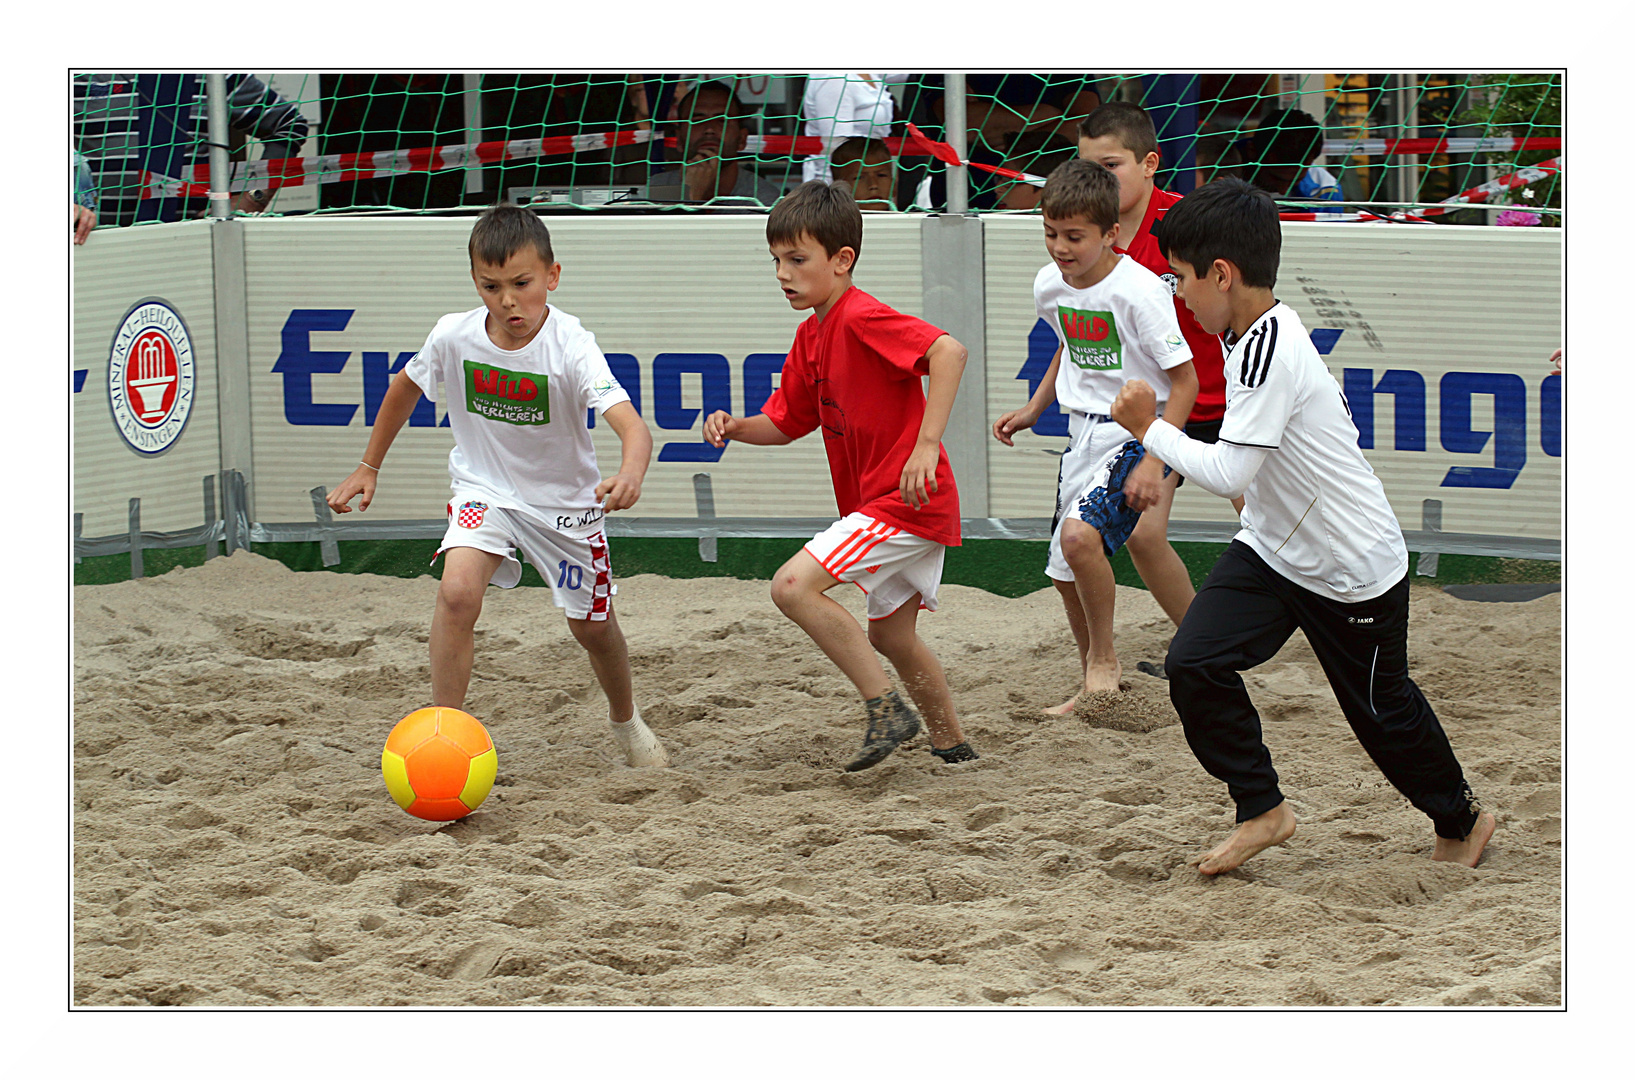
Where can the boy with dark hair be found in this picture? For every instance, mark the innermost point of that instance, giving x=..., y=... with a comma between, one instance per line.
x=1113, y=319
x=867, y=165
x=854, y=371
x=1320, y=549
x=1121, y=137
x=519, y=376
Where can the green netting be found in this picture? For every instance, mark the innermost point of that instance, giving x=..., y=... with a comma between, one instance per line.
x=435, y=142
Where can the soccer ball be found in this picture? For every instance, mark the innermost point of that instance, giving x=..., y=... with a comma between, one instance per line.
x=439, y=764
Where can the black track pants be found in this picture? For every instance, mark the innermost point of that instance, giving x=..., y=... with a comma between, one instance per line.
x=1240, y=618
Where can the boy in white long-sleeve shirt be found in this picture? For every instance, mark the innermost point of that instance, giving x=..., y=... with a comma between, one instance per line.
x=1320, y=549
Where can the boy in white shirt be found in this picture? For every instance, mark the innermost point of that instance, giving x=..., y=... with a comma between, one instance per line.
x=1320, y=549
x=519, y=376
x=1115, y=320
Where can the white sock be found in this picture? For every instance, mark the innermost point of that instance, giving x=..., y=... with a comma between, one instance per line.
x=641, y=747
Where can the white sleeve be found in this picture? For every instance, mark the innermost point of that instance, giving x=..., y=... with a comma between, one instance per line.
x=598, y=389
x=1158, y=331
x=424, y=367
x=1223, y=469
x=1261, y=390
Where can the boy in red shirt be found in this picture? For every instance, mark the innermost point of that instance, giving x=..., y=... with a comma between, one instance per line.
x=1121, y=137
x=854, y=371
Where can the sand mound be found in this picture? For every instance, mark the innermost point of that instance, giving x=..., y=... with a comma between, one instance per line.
x=234, y=843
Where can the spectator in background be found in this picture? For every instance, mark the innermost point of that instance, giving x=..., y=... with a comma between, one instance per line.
x=1038, y=152
x=868, y=166
x=1280, y=158
x=167, y=134
x=840, y=104
x=709, y=126
x=85, y=199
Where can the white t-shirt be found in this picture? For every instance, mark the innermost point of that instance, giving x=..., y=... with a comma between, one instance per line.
x=518, y=418
x=1121, y=328
x=1314, y=510
x=840, y=104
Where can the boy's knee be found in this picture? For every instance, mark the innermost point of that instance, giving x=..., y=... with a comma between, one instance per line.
x=461, y=601
x=1082, y=545
x=888, y=643
x=594, y=635
x=786, y=590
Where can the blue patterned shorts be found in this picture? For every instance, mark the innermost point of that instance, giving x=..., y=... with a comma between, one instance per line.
x=1103, y=506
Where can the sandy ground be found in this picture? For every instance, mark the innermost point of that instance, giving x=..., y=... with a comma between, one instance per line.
x=234, y=843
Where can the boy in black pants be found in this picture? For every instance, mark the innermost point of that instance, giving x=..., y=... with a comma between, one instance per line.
x=1320, y=549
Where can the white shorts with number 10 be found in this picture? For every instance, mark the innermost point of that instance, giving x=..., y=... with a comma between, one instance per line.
x=577, y=570
x=888, y=564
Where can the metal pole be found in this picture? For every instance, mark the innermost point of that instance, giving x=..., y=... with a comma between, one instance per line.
x=1408, y=110
x=474, y=129
x=215, y=99
x=953, y=112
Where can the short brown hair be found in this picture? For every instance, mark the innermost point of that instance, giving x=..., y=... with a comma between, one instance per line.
x=1081, y=188
x=1129, y=123
x=825, y=212
x=505, y=229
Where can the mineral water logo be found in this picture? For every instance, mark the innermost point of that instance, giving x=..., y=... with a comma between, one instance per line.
x=511, y=397
x=151, y=377
x=1092, y=338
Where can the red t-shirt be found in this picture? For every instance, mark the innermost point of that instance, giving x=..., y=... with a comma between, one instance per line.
x=856, y=374
x=1207, y=357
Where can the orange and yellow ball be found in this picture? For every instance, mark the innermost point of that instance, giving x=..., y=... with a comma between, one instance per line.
x=439, y=764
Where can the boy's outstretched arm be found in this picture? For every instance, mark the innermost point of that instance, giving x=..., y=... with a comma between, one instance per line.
x=395, y=408
x=757, y=430
x=621, y=490
x=946, y=360
x=1029, y=414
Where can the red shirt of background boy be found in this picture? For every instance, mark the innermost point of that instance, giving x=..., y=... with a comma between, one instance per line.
x=856, y=374
x=1207, y=358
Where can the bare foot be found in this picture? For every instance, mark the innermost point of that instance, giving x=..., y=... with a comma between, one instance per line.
x=1103, y=678
x=1065, y=708
x=1248, y=840
x=1467, y=852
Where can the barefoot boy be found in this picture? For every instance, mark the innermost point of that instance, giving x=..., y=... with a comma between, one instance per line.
x=1320, y=548
x=519, y=376
x=854, y=371
x=1114, y=320
x=1120, y=135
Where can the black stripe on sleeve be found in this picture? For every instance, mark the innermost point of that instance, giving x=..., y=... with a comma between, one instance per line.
x=1265, y=346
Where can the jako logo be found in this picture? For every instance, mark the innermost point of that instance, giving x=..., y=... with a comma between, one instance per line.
x=150, y=377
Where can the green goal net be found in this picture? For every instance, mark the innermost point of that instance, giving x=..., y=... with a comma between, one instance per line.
x=1348, y=146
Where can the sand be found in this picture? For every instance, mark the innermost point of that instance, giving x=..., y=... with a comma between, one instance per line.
x=234, y=844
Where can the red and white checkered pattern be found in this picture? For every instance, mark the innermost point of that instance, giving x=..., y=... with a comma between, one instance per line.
x=471, y=514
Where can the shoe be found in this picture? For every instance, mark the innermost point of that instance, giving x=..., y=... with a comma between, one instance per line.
x=641, y=747
x=891, y=723
x=1147, y=667
x=955, y=754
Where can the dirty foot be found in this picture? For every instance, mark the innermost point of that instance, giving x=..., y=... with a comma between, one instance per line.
x=1248, y=840
x=1467, y=852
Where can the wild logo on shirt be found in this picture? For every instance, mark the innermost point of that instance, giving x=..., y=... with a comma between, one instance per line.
x=1092, y=338
x=511, y=397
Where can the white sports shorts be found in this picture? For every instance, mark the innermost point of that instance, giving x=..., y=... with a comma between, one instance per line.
x=1091, y=441
x=888, y=564
x=578, y=571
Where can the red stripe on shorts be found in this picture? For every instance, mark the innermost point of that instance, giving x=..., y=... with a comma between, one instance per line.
x=858, y=545
x=599, y=593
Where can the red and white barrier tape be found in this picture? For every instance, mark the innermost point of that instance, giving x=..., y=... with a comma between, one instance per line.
x=271, y=174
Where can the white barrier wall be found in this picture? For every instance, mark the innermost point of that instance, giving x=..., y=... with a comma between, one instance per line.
x=1439, y=335
x=113, y=273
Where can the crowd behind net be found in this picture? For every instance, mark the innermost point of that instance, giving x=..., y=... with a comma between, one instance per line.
x=1341, y=145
